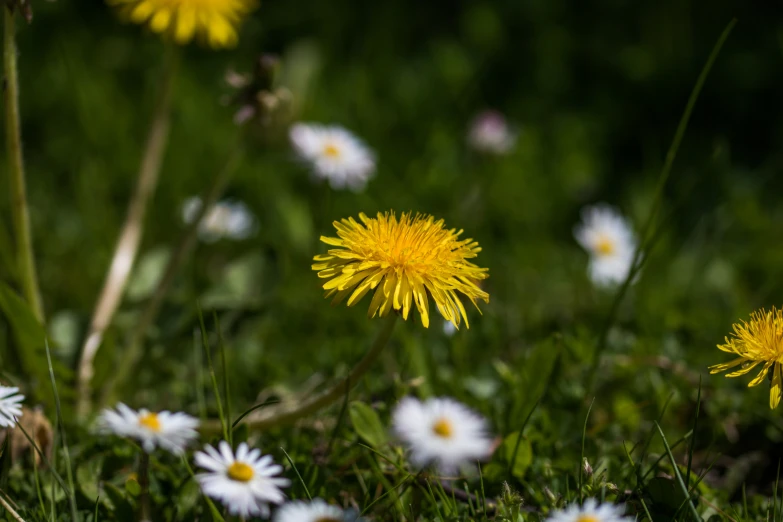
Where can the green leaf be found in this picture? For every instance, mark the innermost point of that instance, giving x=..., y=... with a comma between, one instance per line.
x=29, y=337
x=133, y=487
x=123, y=509
x=88, y=475
x=367, y=424
x=524, y=454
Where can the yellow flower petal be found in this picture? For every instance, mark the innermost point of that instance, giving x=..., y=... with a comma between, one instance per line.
x=403, y=259
x=775, y=389
x=761, y=376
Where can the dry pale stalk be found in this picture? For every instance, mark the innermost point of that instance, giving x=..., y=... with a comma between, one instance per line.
x=130, y=237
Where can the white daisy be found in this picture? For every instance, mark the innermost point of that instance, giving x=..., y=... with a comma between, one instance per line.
x=441, y=431
x=334, y=154
x=245, y=483
x=10, y=405
x=170, y=431
x=608, y=238
x=590, y=511
x=226, y=219
x=315, y=511
x=448, y=328
x=490, y=132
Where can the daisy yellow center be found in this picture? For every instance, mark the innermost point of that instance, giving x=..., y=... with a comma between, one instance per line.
x=757, y=343
x=443, y=429
x=406, y=261
x=331, y=150
x=604, y=246
x=587, y=518
x=240, y=472
x=150, y=421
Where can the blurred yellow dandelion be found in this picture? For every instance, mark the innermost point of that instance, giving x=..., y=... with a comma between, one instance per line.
x=404, y=260
x=215, y=21
x=759, y=341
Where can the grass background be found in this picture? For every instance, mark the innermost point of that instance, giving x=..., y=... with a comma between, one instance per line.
x=596, y=91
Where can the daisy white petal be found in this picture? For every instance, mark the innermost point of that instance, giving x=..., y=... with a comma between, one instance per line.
x=224, y=220
x=609, y=240
x=590, y=511
x=10, y=405
x=169, y=431
x=441, y=431
x=315, y=511
x=243, y=481
x=334, y=154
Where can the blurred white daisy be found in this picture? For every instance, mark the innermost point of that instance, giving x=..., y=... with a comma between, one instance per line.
x=167, y=430
x=315, y=511
x=10, y=405
x=334, y=154
x=490, y=132
x=226, y=219
x=608, y=238
x=246, y=483
x=448, y=328
x=442, y=432
x=590, y=511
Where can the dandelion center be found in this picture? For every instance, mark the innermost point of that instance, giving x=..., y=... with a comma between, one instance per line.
x=604, y=246
x=331, y=150
x=150, y=421
x=758, y=342
x=443, y=428
x=588, y=518
x=240, y=472
x=406, y=261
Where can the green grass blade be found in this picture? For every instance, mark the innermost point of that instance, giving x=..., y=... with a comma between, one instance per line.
x=293, y=466
x=251, y=410
x=638, y=259
x=582, y=457
x=693, y=439
x=68, y=471
x=226, y=387
x=215, y=388
x=519, y=437
x=678, y=474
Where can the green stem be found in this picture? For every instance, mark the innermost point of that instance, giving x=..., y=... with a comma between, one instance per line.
x=132, y=353
x=281, y=417
x=130, y=237
x=144, y=483
x=646, y=235
x=19, y=207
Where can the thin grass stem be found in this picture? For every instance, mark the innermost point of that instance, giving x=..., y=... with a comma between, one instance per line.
x=646, y=230
x=134, y=349
x=308, y=407
x=678, y=475
x=127, y=247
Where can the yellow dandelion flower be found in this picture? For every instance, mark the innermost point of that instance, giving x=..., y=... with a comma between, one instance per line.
x=404, y=260
x=215, y=21
x=759, y=341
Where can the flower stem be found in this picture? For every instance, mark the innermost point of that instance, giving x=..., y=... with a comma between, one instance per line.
x=282, y=416
x=144, y=483
x=13, y=136
x=130, y=237
x=133, y=351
